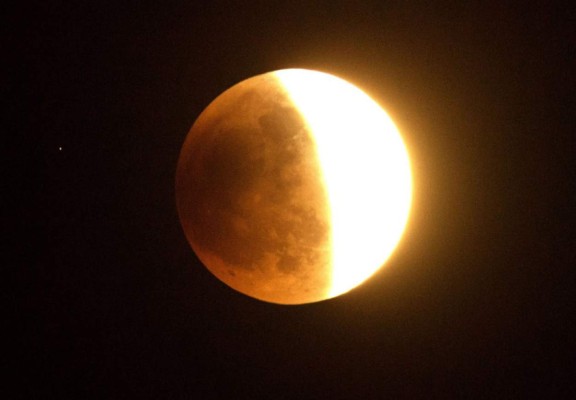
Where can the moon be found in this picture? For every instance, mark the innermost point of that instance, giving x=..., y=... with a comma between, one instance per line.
x=293, y=186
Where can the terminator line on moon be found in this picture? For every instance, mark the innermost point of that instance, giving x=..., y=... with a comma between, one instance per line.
x=293, y=186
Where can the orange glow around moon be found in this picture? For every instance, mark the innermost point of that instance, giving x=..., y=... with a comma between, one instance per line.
x=293, y=186
x=365, y=167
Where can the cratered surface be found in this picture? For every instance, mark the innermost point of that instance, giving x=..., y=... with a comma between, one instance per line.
x=251, y=197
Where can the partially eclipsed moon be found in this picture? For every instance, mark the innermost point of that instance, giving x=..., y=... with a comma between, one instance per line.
x=293, y=186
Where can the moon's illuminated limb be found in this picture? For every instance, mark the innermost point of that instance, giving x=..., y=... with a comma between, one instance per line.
x=366, y=170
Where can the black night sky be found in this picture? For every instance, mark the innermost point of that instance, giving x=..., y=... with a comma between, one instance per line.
x=106, y=299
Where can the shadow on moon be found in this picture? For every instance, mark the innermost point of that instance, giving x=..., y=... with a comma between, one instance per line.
x=251, y=197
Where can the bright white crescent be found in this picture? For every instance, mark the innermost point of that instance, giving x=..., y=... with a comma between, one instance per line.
x=366, y=168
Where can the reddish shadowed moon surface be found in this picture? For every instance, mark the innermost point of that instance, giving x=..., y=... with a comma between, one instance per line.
x=293, y=186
